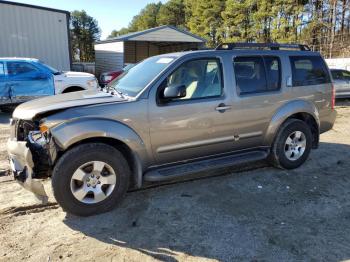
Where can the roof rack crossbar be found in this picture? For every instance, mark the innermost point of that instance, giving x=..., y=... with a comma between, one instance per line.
x=272, y=46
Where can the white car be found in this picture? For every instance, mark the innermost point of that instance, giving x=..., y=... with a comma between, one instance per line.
x=74, y=81
x=23, y=79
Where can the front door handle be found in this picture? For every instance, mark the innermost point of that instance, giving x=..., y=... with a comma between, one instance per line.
x=222, y=107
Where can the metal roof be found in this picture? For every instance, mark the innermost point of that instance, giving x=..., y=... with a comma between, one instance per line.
x=36, y=7
x=131, y=36
x=19, y=59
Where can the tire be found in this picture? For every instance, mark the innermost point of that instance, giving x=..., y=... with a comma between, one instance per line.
x=281, y=155
x=84, y=157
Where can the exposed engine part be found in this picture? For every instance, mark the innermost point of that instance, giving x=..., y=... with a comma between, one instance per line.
x=43, y=152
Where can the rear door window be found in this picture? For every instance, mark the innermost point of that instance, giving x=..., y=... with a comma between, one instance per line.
x=273, y=72
x=257, y=74
x=308, y=70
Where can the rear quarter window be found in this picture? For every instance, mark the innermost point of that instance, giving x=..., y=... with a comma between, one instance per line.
x=308, y=70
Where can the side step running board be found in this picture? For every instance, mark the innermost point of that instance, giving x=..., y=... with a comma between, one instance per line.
x=182, y=170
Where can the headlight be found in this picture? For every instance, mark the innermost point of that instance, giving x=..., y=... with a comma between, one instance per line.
x=91, y=83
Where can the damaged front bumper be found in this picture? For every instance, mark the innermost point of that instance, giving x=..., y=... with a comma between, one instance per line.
x=22, y=164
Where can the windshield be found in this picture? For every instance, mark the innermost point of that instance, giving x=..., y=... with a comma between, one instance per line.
x=132, y=81
x=127, y=67
x=53, y=70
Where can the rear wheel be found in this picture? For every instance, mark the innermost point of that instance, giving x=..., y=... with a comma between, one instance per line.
x=292, y=144
x=90, y=179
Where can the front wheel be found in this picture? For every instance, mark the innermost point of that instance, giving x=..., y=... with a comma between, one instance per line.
x=292, y=144
x=90, y=179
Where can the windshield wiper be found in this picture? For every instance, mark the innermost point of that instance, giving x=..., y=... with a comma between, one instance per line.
x=120, y=93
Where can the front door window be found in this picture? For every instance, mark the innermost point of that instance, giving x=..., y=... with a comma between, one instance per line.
x=202, y=79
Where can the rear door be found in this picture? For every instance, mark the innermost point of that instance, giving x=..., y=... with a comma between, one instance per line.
x=258, y=89
x=26, y=81
x=4, y=90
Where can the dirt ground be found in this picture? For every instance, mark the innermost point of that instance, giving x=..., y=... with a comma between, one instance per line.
x=263, y=214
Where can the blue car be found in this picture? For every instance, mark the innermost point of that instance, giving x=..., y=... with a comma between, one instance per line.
x=23, y=79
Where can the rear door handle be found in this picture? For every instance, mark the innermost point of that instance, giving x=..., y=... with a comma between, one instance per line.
x=222, y=108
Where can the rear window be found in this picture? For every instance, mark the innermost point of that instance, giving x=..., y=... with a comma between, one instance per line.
x=308, y=70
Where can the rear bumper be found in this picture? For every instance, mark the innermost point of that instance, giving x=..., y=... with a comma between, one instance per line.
x=327, y=121
x=21, y=162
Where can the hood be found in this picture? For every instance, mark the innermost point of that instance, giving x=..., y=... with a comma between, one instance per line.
x=29, y=110
x=77, y=74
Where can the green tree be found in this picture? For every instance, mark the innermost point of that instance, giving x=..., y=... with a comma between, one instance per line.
x=116, y=33
x=84, y=32
x=205, y=20
x=262, y=17
x=288, y=20
x=322, y=24
x=237, y=21
x=172, y=13
x=147, y=18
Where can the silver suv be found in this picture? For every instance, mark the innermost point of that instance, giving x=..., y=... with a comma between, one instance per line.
x=171, y=116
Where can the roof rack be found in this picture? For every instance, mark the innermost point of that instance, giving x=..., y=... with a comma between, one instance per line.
x=271, y=46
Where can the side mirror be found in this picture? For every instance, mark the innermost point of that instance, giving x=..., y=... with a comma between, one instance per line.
x=175, y=91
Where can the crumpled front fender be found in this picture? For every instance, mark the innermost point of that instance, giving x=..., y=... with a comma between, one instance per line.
x=71, y=132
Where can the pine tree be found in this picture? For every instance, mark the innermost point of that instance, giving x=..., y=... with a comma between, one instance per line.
x=172, y=13
x=205, y=19
x=84, y=32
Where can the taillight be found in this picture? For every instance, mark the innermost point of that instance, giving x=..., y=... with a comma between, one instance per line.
x=333, y=97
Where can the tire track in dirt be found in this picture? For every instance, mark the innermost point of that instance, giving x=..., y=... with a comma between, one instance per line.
x=25, y=210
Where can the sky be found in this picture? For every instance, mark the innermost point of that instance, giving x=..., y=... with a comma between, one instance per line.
x=110, y=14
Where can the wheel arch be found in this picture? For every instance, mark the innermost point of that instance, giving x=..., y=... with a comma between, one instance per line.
x=116, y=134
x=74, y=88
x=299, y=109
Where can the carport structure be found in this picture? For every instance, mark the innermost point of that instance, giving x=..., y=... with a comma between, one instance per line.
x=114, y=54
